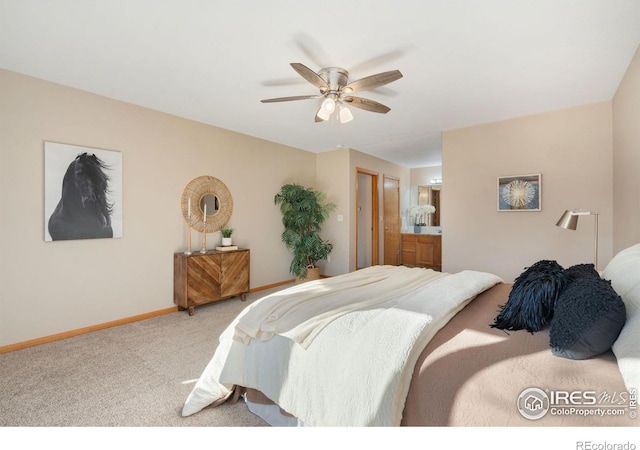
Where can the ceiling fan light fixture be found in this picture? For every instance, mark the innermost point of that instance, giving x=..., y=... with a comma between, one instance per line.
x=329, y=105
x=336, y=90
x=323, y=114
x=345, y=114
x=327, y=108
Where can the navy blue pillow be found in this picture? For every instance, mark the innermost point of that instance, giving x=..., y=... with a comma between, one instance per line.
x=582, y=271
x=532, y=298
x=588, y=318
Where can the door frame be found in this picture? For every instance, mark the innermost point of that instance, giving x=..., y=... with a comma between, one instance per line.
x=375, y=207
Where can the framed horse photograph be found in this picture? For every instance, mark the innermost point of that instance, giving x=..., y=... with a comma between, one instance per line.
x=82, y=192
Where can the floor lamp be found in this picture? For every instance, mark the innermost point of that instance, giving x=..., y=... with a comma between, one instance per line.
x=569, y=221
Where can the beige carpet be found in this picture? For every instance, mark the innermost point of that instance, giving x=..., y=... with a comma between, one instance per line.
x=137, y=377
x=134, y=375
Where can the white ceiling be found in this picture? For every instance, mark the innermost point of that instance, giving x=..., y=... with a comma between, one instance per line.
x=464, y=62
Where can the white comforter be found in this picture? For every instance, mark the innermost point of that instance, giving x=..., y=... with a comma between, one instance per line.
x=356, y=369
x=301, y=312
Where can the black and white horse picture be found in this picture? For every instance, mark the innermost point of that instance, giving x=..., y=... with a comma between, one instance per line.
x=84, y=209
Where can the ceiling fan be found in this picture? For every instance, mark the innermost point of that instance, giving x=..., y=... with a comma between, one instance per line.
x=336, y=90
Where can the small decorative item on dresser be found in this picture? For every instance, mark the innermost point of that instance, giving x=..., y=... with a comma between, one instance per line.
x=204, y=230
x=227, y=248
x=188, y=250
x=226, y=236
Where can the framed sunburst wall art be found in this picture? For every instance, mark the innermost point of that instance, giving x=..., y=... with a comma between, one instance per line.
x=520, y=193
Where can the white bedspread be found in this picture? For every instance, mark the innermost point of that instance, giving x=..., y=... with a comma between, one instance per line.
x=301, y=312
x=357, y=369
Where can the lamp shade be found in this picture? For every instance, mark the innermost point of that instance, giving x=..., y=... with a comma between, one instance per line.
x=345, y=115
x=327, y=108
x=568, y=221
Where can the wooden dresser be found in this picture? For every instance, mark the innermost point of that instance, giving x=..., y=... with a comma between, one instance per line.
x=202, y=278
x=422, y=250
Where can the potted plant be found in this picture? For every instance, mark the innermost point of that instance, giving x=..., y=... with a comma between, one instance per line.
x=303, y=211
x=421, y=214
x=226, y=236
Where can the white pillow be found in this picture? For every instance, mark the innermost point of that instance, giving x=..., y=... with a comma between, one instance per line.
x=624, y=273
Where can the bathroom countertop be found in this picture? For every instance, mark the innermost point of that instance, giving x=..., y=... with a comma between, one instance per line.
x=433, y=231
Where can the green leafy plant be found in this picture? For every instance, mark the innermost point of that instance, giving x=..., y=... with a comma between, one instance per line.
x=303, y=211
x=226, y=232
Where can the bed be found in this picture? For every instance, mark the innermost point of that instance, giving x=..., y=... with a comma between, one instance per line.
x=394, y=346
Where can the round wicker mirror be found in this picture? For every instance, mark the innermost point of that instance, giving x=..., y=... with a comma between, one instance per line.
x=208, y=193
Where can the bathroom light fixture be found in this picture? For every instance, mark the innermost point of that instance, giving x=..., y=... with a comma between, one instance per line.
x=569, y=221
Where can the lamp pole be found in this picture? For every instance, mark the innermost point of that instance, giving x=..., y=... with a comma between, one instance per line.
x=595, y=250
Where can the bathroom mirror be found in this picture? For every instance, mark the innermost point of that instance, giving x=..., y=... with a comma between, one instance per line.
x=428, y=195
x=208, y=193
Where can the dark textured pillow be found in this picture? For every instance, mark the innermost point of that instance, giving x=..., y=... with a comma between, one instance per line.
x=582, y=271
x=588, y=318
x=533, y=295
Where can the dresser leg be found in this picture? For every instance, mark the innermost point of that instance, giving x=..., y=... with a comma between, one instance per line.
x=243, y=297
x=191, y=310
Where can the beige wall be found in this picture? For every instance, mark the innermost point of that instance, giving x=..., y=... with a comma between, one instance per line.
x=332, y=173
x=626, y=158
x=54, y=287
x=364, y=161
x=571, y=148
x=422, y=176
x=337, y=176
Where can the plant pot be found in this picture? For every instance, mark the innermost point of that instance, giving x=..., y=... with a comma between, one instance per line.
x=312, y=274
x=226, y=242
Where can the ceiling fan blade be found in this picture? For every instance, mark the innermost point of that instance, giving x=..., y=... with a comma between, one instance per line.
x=310, y=76
x=312, y=50
x=373, y=81
x=289, y=99
x=370, y=64
x=366, y=104
x=297, y=81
